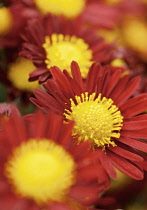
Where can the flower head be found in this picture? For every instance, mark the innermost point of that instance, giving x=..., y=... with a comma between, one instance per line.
x=105, y=112
x=92, y=12
x=58, y=41
x=41, y=166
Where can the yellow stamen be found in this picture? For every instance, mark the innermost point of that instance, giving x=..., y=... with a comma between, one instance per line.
x=41, y=170
x=5, y=20
x=68, y=8
x=62, y=50
x=18, y=74
x=96, y=119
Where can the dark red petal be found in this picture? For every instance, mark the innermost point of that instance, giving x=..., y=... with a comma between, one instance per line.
x=86, y=195
x=37, y=72
x=65, y=134
x=102, y=176
x=46, y=100
x=128, y=91
x=137, y=144
x=126, y=152
x=40, y=122
x=54, y=91
x=124, y=89
x=74, y=85
x=125, y=166
x=92, y=76
x=113, y=80
x=134, y=106
x=79, y=151
x=88, y=173
x=134, y=125
x=135, y=109
x=106, y=18
x=62, y=82
x=15, y=131
x=55, y=125
x=106, y=163
x=142, y=133
x=138, y=118
x=77, y=75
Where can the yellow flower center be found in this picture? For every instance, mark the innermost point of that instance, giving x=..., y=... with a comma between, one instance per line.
x=41, y=170
x=5, y=20
x=68, y=8
x=96, y=119
x=62, y=50
x=18, y=74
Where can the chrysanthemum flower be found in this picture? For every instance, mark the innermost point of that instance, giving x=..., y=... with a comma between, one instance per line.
x=105, y=112
x=92, y=12
x=14, y=79
x=50, y=41
x=13, y=18
x=41, y=168
x=18, y=74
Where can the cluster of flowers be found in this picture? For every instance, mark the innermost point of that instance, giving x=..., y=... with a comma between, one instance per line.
x=73, y=103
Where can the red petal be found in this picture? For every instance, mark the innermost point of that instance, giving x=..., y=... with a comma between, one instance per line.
x=129, y=90
x=106, y=163
x=142, y=133
x=134, y=125
x=126, y=152
x=126, y=166
x=86, y=195
x=135, y=109
x=46, y=100
x=124, y=89
x=77, y=75
x=115, y=77
x=62, y=82
x=92, y=76
x=137, y=144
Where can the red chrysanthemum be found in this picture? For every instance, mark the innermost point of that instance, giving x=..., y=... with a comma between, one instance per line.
x=105, y=112
x=41, y=168
x=51, y=41
x=13, y=18
x=92, y=12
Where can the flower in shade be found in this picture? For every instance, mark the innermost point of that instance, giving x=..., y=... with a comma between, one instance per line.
x=105, y=112
x=41, y=168
x=50, y=41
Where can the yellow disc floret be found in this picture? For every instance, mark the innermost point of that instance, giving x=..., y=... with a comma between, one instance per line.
x=62, y=50
x=68, y=8
x=96, y=119
x=41, y=170
x=5, y=20
x=19, y=72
